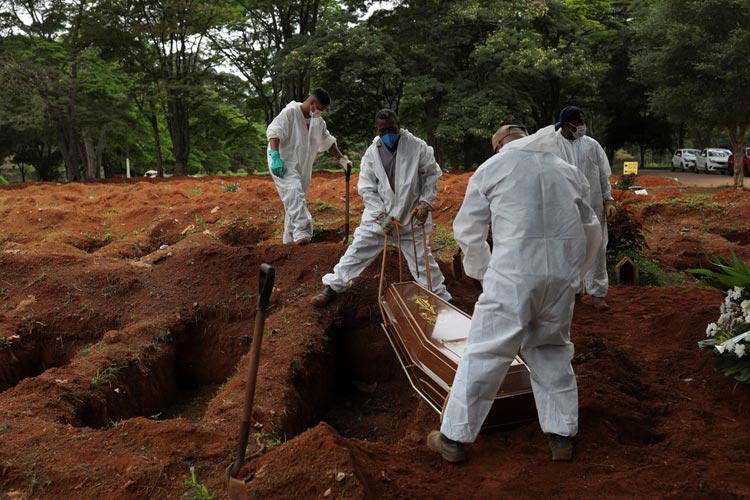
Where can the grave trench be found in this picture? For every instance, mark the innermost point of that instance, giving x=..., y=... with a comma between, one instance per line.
x=170, y=377
x=353, y=381
x=45, y=347
x=355, y=384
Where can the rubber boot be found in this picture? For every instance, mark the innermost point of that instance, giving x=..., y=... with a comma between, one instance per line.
x=599, y=304
x=324, y=298
x=561, y=447
x=452, y=451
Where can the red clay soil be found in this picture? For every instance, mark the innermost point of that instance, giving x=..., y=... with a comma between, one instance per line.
x=126, y=309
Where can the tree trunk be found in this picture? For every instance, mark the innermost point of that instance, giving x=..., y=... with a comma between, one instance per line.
x=99, y=152
x=22, y=169
x=178, y=121
x=71, y=156
x=90, y=170
x=157, y=144
x=737, y=142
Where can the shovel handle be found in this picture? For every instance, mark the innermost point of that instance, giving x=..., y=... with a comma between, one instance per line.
x=348, y=173
x=265, y=286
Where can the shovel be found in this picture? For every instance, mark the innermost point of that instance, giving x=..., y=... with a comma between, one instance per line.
x=348, y=175
x=237, y=487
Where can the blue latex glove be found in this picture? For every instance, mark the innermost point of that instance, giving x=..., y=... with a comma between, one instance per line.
x=277, y=164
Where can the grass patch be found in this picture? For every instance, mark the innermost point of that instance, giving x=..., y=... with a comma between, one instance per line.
x=232, y=187
x=693, y=202
x=442, y=237
x=107, y=375
x=198, y=490
x=322, y=206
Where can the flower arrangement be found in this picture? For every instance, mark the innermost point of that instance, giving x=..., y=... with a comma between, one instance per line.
x=729, y=336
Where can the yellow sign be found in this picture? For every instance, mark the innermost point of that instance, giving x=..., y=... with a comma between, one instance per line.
x=631, y=167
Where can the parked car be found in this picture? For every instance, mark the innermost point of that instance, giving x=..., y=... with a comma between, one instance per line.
x=684, y=159
x=712, y=160
x=745, y=161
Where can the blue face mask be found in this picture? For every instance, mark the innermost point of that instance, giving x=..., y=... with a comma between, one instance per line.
x=390, y=140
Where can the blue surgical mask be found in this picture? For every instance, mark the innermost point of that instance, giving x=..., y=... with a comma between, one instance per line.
x=390, y=140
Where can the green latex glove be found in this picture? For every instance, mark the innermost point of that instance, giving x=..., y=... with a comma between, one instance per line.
x=277, y=164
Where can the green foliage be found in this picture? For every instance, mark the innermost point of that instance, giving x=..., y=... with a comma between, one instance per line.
x=726, y=273
x=130, y=78
x=625, y=181
x=198, y=491
x=627, y=239
x=107, y=374
x=233, y=187
x=734, y=368
x=626, y=235
x=692, y=55
x=3, y=181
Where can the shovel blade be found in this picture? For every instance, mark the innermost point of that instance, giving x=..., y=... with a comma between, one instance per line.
x=237, y=488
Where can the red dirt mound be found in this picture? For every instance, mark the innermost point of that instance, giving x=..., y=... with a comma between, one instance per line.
x=126, y=309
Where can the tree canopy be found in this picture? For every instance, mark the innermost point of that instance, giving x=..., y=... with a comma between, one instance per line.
x=188, y=86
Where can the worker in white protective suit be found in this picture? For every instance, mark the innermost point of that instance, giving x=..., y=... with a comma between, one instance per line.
x=398, y=174
x=585, y=153
x=295, y=137
x=544, y=234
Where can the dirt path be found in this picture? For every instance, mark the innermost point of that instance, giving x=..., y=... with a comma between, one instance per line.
x=693, y=179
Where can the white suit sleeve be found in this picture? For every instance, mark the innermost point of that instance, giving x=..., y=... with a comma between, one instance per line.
x=604, y=172
x=280, y=127
x=326, y=139
x=429, y=172
x=367, y=186
x=592, y=228
x=470, y=229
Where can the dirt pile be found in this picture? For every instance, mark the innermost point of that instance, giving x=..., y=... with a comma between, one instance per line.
x=123, y=332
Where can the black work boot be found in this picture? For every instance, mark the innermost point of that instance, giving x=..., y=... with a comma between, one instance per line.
x=452, y=451
x=324, y=298
x=561, y=447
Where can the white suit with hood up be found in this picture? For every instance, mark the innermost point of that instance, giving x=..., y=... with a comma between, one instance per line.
x=586, y=154
x=544, y=233
x=416, y=176
x=298, y=147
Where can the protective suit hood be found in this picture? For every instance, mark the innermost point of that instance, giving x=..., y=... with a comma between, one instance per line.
x=543, y=140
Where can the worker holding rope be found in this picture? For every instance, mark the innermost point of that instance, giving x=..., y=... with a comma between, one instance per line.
x=398, y=177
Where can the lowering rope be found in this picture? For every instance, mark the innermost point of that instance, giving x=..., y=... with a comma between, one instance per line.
x=426, y=245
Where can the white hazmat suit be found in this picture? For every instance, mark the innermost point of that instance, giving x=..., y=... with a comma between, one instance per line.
x=416, y=176
x=298, y=147
x=544, y=232
x=586, y=154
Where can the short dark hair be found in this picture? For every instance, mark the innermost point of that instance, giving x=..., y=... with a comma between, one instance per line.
x=387, y=114
x=322, y=96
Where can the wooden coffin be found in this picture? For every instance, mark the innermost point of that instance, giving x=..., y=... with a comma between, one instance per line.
x=428, y=335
